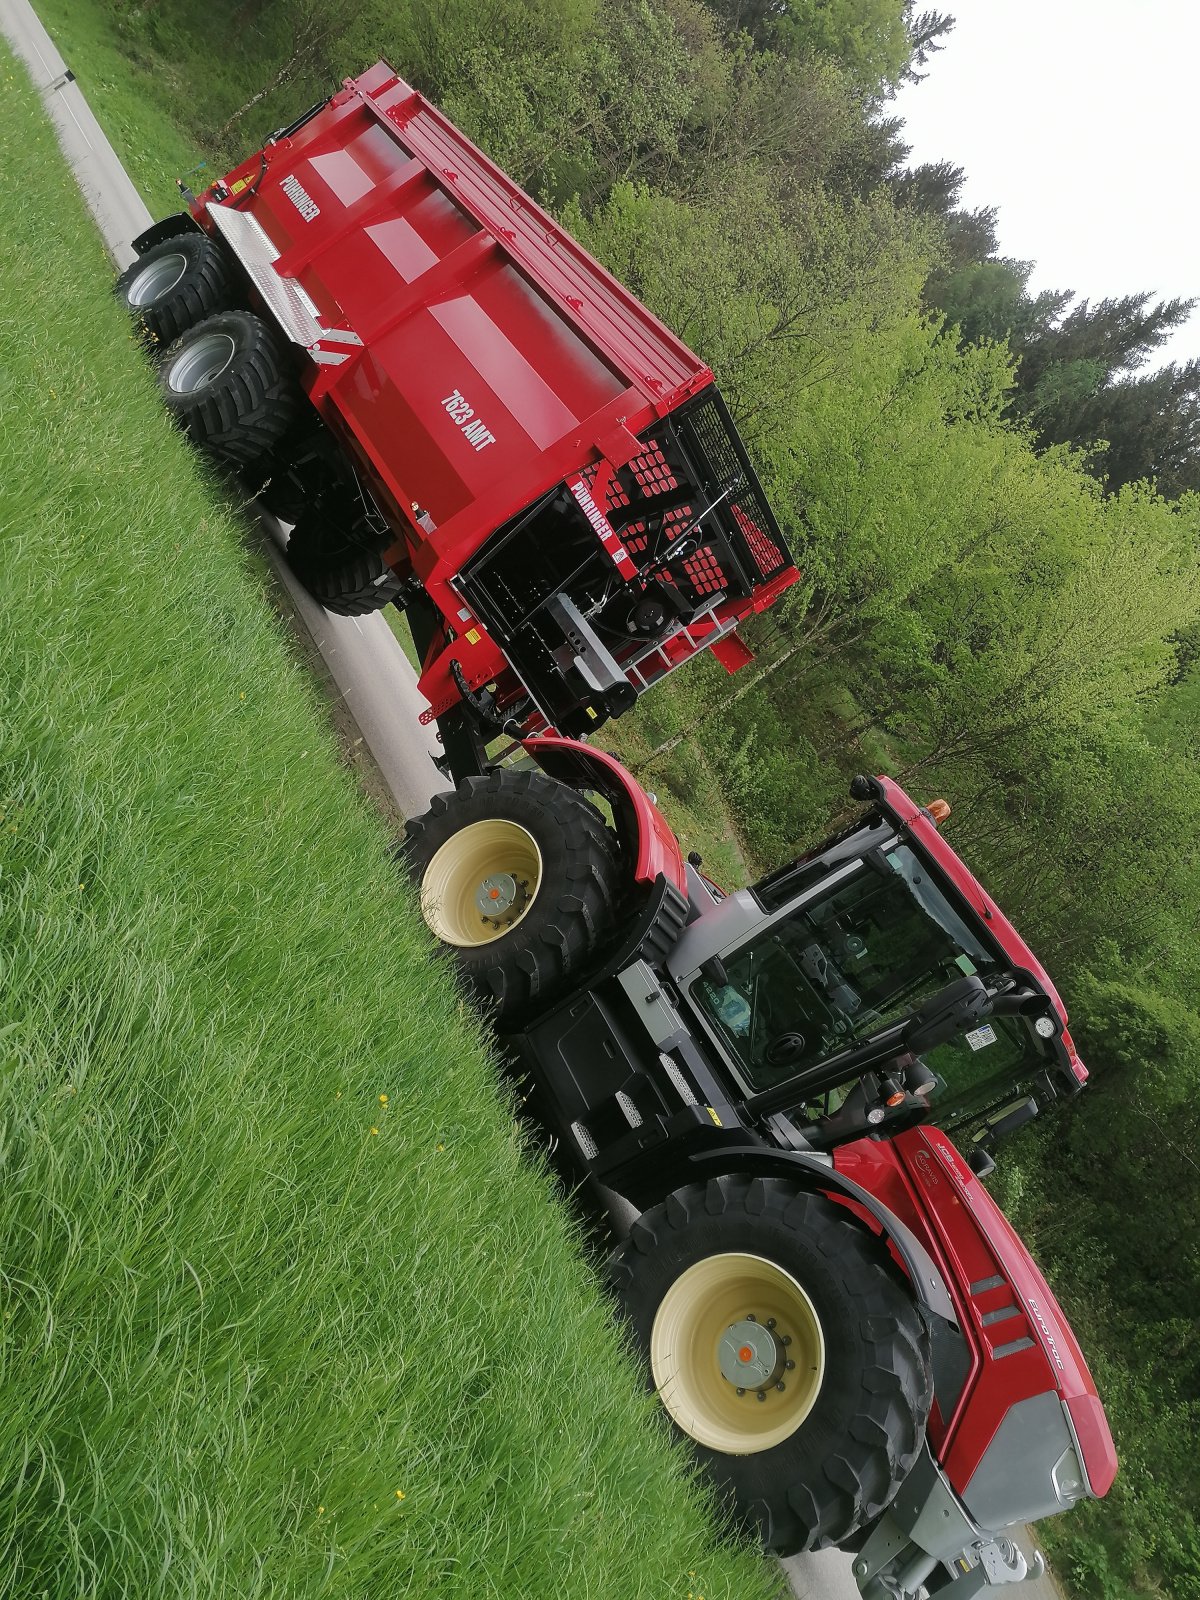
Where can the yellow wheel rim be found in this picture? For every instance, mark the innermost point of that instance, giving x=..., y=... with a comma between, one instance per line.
x=727, y=1319
x=481, y=883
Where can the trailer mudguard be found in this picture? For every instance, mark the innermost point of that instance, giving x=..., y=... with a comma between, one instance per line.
x=168, y=228
x=644, y=830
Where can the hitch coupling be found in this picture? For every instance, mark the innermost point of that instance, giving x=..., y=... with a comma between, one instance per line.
x=927, y=1531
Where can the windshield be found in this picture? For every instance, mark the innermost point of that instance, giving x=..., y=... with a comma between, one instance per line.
x=863, y=954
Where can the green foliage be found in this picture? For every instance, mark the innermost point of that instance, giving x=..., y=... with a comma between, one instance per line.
x=867, y=36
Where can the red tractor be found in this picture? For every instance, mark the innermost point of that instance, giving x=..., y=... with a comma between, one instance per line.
x=832, y=1309
x=462, y=413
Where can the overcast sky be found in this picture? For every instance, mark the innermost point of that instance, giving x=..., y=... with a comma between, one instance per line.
x=1078, y=119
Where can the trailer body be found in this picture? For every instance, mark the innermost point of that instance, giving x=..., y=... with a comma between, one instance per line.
x=559, y=476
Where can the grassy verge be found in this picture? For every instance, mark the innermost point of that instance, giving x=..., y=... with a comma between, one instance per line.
x=283, y=1310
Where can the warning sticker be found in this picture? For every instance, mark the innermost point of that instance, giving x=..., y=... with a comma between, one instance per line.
x=979, y=1037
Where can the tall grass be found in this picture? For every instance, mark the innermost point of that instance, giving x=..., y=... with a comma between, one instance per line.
x=283, y=1308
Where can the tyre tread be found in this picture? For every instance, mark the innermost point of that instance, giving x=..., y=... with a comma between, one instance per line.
x=535, y=962
x=821, y=1499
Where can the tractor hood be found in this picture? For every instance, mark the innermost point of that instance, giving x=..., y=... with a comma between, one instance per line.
x=1026, y=1391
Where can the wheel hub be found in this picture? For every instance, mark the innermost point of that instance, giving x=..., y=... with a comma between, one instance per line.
x=750, y=1355
x=497, y=894
x=201, y=362
x=481, y=882
x=737, y=1352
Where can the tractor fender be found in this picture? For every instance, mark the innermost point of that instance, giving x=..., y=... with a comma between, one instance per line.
x=928, y=1284
x=641, y=825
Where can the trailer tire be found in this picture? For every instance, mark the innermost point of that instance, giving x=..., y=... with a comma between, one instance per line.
x=176, y=284
x=697, y=1279
x=226, y=383
x=345, y=573
x=515, y=832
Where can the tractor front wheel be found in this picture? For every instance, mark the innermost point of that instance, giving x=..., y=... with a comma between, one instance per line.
x=783, y=1346
x=518, y=875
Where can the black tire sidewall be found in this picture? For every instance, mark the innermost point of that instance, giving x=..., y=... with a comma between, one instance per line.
x=858, y=1300
x=204, y=288
x=348, y=576
x=573, y=906
x=249, y=405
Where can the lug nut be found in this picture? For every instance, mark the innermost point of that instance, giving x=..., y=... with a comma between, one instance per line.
x=780, y=1385
x=785, y=1339
x=750, y=1317
x=770, y=1322
x=762, y=1394
x=741, y=1391
x=789, y=1366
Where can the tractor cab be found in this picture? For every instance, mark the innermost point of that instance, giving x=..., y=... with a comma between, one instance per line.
x=872, y=984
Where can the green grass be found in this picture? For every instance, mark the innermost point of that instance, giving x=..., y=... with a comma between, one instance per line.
x=284, y=1310
x=137, y=106
x=163, y=80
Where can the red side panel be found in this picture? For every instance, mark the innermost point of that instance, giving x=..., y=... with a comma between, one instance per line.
x=733, y=653
x=1021, y=1343
x=495, y=352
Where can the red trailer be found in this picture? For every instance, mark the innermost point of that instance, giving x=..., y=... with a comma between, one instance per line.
x=499, y=436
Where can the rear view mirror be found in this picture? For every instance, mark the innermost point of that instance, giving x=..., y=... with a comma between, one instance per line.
x=949, y=1011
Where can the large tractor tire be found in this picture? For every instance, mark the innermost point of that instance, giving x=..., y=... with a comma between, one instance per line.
x=176, y=284
x=346, y=572
x=227, y=384
x=784, y=1347
x=518, y=875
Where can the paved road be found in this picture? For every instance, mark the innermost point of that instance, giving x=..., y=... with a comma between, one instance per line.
x=374, y=683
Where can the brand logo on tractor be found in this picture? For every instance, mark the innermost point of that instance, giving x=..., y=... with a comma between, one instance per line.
x=924, y=1165
x=1046, y=1334
x=462, y=412
x=300, y=198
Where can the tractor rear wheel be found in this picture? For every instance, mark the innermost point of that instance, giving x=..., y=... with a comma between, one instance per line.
x=784, y=1347
x=227, y=385
x=176, y=284
x=519, y=876
x=346, y=572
